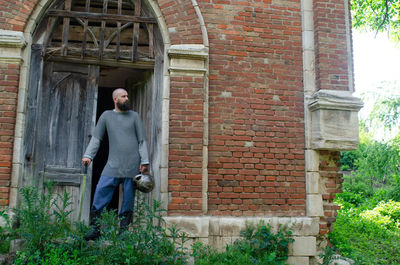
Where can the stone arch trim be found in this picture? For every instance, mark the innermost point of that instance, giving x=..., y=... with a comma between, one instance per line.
x=179, y=69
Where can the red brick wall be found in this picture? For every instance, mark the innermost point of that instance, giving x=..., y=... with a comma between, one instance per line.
x=332, y=181
x=9, y=76
x=186, y=145
x=256, y=152
x=330, y=45
x=14, y=14
x=182, y=21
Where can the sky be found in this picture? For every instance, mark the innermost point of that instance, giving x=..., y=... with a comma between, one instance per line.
x=375, y=59
x=376, y=68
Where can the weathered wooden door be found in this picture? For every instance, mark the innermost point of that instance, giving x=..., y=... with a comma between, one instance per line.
x=65, y=117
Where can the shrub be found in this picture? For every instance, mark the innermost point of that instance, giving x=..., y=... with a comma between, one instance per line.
x=51, y=239
x=386, y=214
x=258, y=246
x=369, y=234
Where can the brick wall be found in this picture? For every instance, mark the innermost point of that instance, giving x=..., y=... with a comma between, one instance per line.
x=332, y=182
x=331, y=45
x=185, y=145
x=14, y=14
x=9, y=76
x=182, y=21
x=256, y=152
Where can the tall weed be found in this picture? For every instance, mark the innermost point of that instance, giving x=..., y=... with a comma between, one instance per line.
x=41, y=220
x=51, y=239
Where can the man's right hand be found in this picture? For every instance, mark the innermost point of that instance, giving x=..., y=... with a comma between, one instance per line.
x=86, y=161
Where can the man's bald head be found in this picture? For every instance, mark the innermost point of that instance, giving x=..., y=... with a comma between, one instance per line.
x=120, y=98
x=117, y=91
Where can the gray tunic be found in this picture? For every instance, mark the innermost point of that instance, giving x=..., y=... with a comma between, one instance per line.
x=127, y=141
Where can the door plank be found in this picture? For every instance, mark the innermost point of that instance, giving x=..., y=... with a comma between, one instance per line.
x=67, y=116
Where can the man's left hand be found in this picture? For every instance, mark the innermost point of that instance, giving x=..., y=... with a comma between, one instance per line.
x=144, y=168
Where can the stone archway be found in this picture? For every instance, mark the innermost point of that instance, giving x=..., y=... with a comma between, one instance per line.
x=49, y=46
x=169, y=62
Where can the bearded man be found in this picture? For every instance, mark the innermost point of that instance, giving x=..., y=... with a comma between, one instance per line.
x=127, y=156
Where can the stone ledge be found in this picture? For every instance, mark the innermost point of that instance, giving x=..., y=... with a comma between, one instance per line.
x=10, y=39
x=205, y=226
x=188, y=51
x=334, y=118
x=220, y=231
x=11, y=44
x=188, y=59
x=336, y=100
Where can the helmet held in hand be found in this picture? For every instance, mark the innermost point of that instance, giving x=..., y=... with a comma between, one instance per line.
x=144, y=182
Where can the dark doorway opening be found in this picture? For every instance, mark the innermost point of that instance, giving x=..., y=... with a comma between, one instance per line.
x=138, y=83
x=104, y=102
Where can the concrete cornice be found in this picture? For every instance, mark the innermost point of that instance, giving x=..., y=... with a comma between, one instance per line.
x=12, y=39
x=190, y=51
x=11, y=44
x=335, y=99
x=188, y=59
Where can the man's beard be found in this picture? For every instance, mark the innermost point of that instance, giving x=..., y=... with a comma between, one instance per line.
x=123, y=106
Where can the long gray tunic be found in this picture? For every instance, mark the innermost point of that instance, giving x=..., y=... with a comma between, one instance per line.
x=127, y=141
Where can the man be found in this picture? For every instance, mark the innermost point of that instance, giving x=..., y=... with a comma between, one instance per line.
x=127, y=156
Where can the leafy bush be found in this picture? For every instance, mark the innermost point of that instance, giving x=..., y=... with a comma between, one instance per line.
x=386, y=214
x=369, y=233
x=375, y=164
x=348, y=199
x=258, y=246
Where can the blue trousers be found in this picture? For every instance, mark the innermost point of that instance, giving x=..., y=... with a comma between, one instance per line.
x=105, y=190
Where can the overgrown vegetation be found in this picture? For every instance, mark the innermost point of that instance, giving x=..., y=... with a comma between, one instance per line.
x=50, y=238
x=258, y=246
x=43, y=221
x=367, y=227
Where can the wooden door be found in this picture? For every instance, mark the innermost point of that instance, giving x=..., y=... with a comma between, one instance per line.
x=65, y=118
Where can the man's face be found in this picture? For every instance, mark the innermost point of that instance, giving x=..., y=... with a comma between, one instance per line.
x=123, y=101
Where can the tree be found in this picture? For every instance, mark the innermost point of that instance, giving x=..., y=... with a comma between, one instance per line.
x=378, y=16
x=387, y=111
x=384, y=116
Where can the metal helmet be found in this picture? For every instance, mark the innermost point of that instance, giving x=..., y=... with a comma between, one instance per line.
x=144, y=182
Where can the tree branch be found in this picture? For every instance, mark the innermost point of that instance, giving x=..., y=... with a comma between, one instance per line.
x=385, y=17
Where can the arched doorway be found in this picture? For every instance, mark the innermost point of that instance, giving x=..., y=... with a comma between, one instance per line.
x=81, y=51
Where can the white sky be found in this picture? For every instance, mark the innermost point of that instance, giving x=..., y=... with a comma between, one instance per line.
x=376, y=60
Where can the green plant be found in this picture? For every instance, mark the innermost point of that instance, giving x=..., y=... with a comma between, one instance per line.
x=368, y=233
x=5, y=230
x=327, y=255
x=42, y=217
x=258, y=246
x=147, y=241
x=375, y=166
